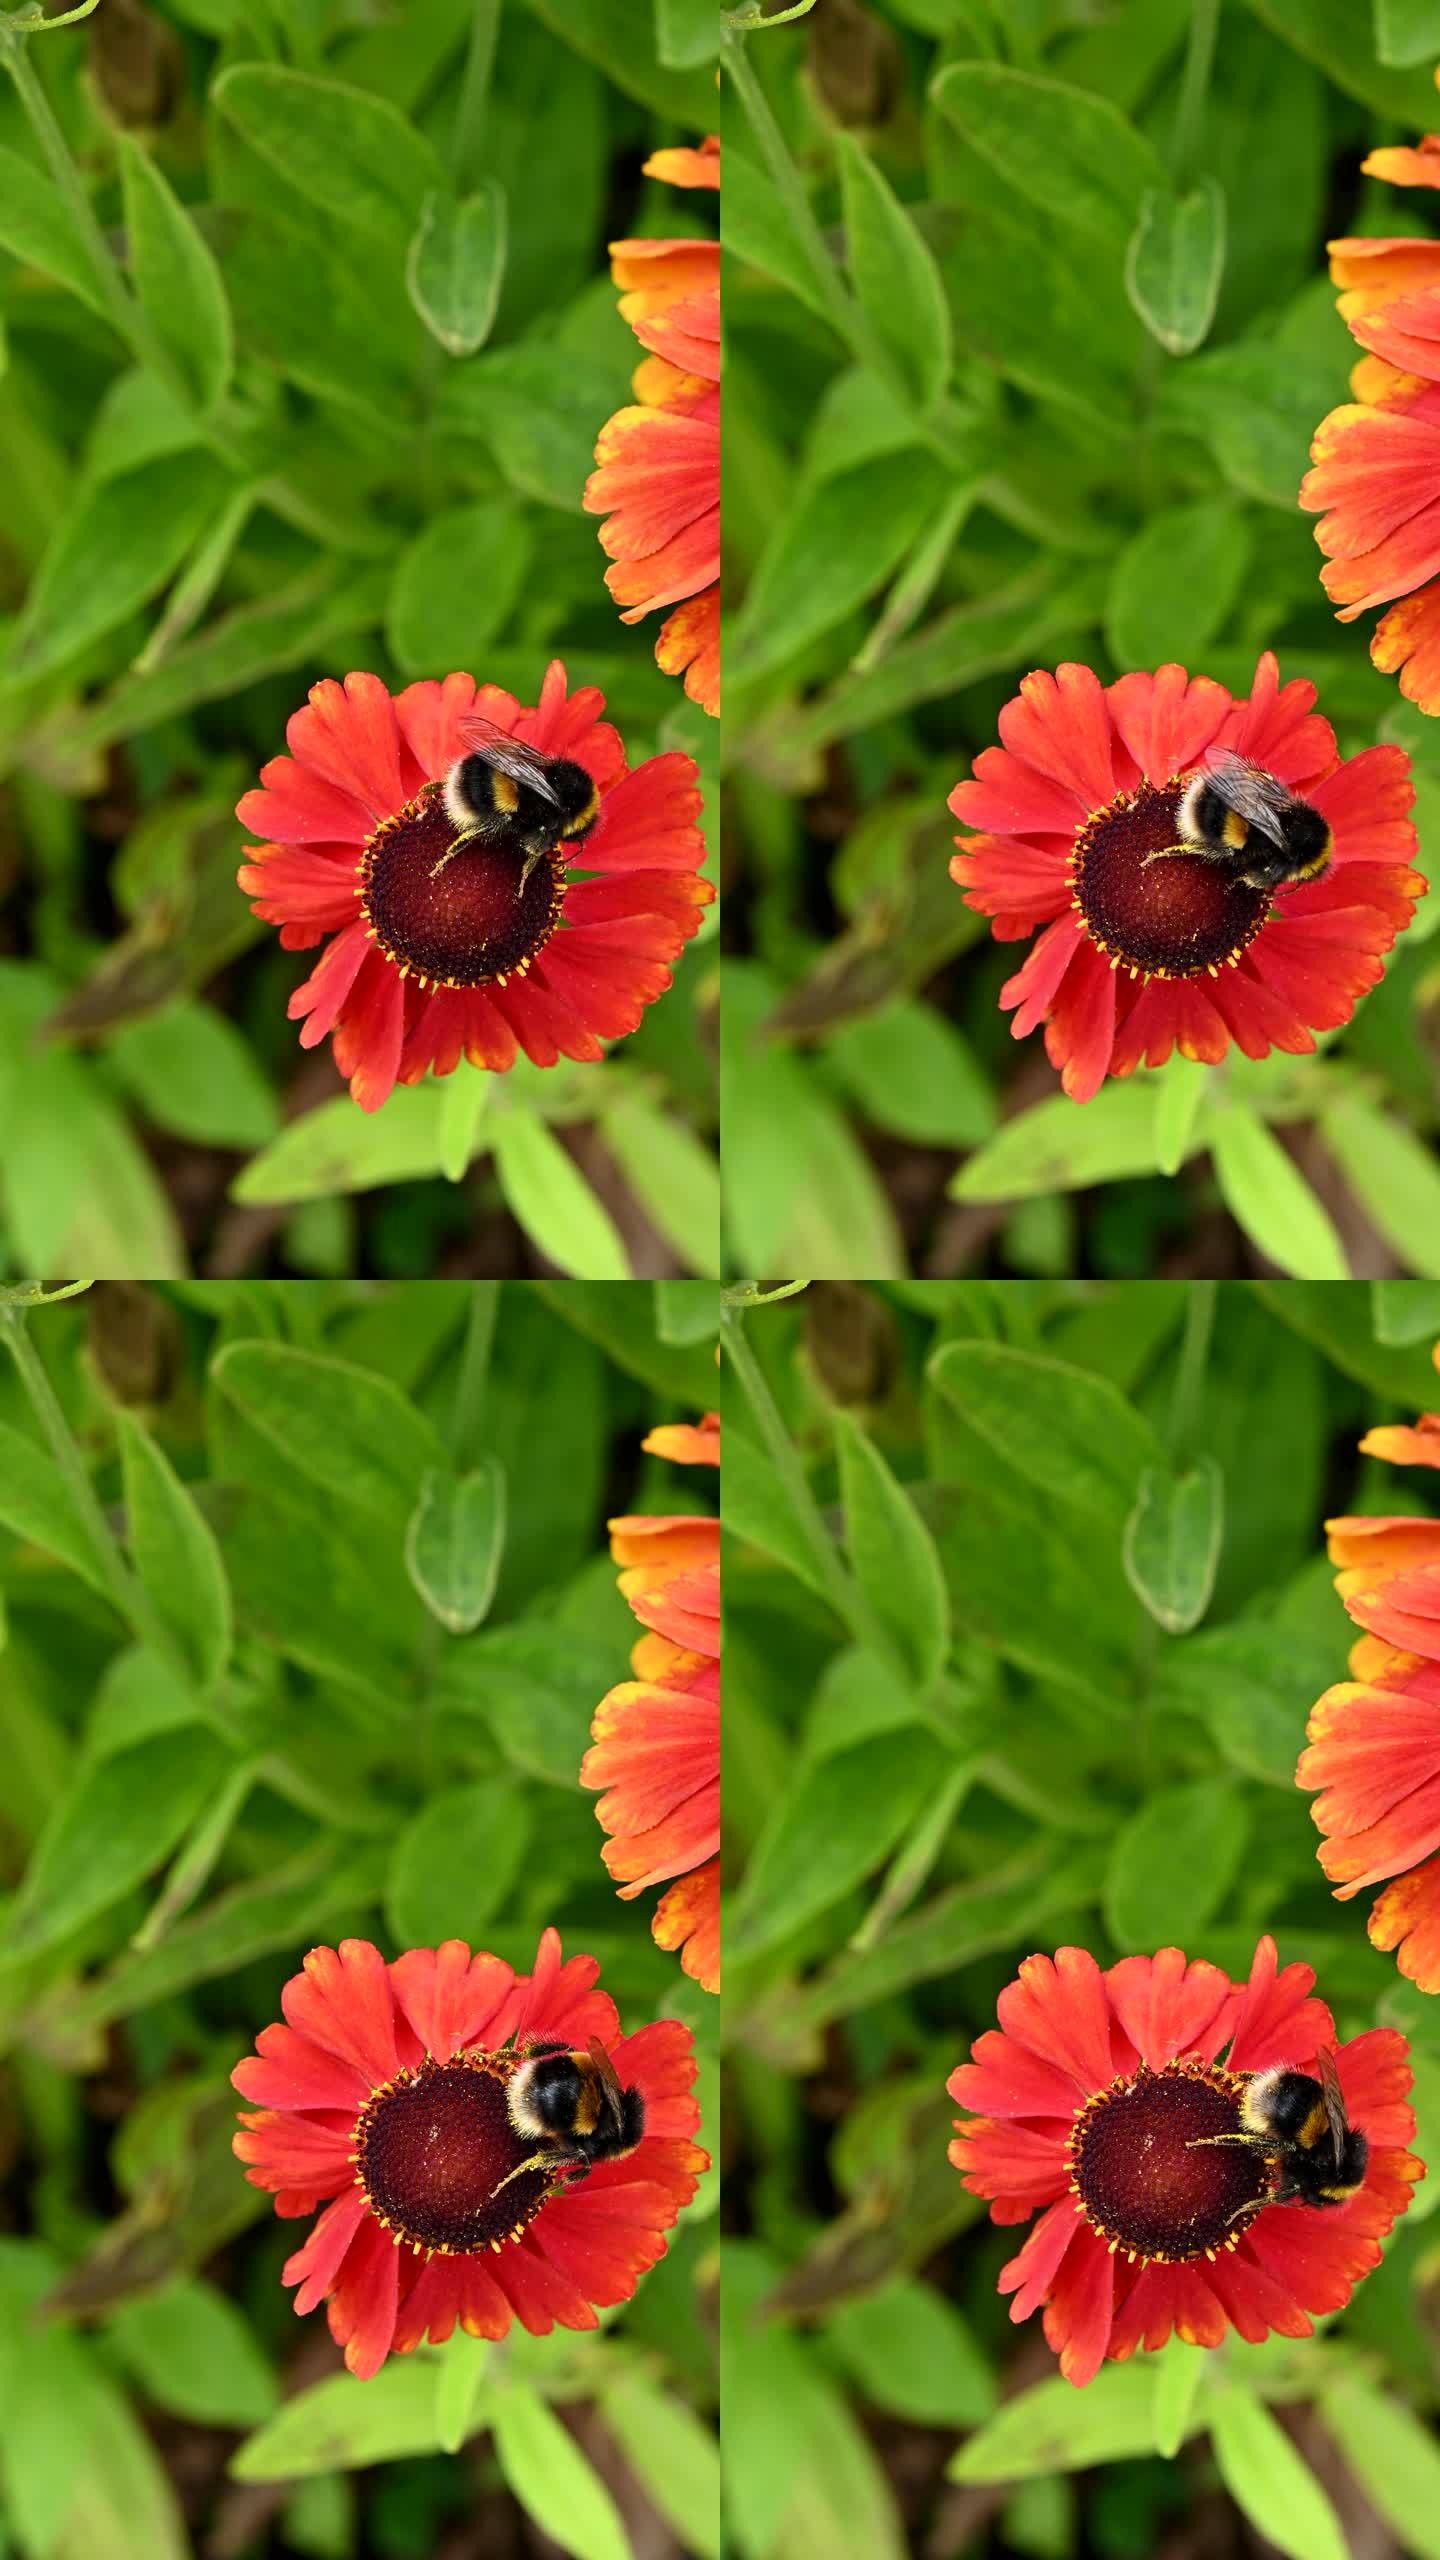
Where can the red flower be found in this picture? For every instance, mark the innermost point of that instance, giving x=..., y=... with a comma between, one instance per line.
x=386, y=2091
x=657, y=1737
x=1375, y=1740
x=659, y=477
x=1376, y=477
x=1095, y=2107
x=474, y=962
x=1135, y=959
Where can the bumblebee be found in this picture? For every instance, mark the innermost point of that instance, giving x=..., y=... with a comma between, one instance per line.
x=501, y=792
x=572, y=2106
x=1238, y=815
x=1301, y=2127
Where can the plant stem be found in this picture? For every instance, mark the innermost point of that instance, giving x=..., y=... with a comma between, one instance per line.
x=130, y=322
x=474, y=94
x=844, y=1594
x=126, y=1593
x=844, y=312
x=468, y=1412
x=1190, y=1375
x=1194, y=90
x=754, y=15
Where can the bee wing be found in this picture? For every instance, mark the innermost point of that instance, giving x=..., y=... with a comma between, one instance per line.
x=508, y=755
x=1248, y=789
x=609, y=2078
x=1329, y=2079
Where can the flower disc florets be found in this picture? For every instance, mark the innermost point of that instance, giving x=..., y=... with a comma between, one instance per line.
x=1150, y=2176
x=456, y=913
x=1159, y=913
x=437, y=2156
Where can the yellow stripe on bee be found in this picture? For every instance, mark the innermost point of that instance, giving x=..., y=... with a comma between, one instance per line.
x=588, y=814
x=1315, y=2126
x=1235, y=830
x=504, y=793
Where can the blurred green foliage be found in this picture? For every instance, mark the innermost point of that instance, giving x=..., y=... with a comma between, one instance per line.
x=1027, y=1606
x=310, y=331
x=1029, y=332
x=249, y=1704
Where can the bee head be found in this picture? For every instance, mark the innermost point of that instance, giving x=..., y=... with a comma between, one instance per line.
x=577, y=798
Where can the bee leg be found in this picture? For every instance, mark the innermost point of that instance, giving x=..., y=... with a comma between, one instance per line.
x=1163, y=852
x=467, y=838
x=530, y=863
x=1207, y=2141
x=537, y=2160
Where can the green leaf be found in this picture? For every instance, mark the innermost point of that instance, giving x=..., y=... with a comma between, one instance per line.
x=1179, y=2376
x=1338, y=35
x=454, y=1545
x=122, y=1817
x=687, y=1311
x=1270, y=2482
x=1253, y=1686
x=549, y=2476
x=758, y=232
x=1272, y=1201
x=461, y=2392
x=352, y=154
x=312, y=1898
x=195, y=1075
x=1173, y=1864
x=669, y=2449
x=911, y=2353
x=1055, y=1147
x=456, y=266
x=343, y=2424
x=1175, y=583
x=673, y=1175
x=468, y=1094
x=339, y=1147
x=121, y=541
x=455, y=1862
x=456, y=585
x=686, y=32
x=36, y=1502
x=895, y=277
x=835, y=1824
x=537, y=1688
x=236, y=650
x=1066, y=1430
x=175, y=1554
x=176, y=278
x=194, y=2354
x=1054, y=2427
x=913, y=1073
x=838, y=542
x=539, y=416
x=1174, y=264
x=1405, y=33
x=1392, y=2454
x=1180, y=1090
x=893, y=1554
x=549, y=1197
x=1172, y=1542
x=36, y=227
x=1392, y=1174
x=1069, y=151
x=347, y=1429
x=1405, y=1310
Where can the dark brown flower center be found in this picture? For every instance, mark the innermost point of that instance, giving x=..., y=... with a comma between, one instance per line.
x=435, y=2152
x=466, y=915
x=1170, y=917
x=1150, y=2180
